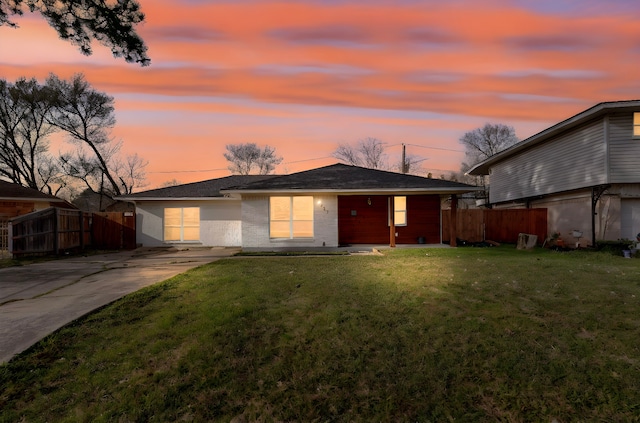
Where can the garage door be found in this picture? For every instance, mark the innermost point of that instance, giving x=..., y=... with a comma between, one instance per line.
x=629, y=218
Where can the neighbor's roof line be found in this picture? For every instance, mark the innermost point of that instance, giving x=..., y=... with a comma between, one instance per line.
x=482, y=168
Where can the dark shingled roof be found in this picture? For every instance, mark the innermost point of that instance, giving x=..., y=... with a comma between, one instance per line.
x=203, y=189
x=341, y=177
x=9, y=190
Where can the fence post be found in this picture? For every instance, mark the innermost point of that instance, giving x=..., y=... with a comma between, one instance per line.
x=453, y=223
x=10, y=238
x=56, y=240
x=81, y=222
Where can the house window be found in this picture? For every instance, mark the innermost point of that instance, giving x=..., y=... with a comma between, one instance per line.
x=399, y=211
x=182, y=224
x=291, y=217
x=636, y=124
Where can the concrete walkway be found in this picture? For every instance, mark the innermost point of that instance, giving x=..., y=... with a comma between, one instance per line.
x=38, y=299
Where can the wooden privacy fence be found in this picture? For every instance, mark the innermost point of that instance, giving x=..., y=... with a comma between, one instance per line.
x=502, y=225
x=4, y=237
x=114, y=231
x=55, y=230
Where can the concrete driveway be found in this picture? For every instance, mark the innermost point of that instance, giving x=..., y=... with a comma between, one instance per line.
x=38, y=299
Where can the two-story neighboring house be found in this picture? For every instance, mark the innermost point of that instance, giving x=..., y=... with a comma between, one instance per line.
x=585, y=170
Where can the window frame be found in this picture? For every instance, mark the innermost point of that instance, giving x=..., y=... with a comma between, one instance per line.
x=292, y=218
x=636, y=125
x=181, y=226
x=396, y=211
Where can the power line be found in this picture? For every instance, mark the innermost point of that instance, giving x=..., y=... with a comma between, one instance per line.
x=422, y=146
x=309, y=160
x=436, y=148
x=188, y=171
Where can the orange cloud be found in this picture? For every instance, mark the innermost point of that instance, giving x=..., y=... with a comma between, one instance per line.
x=303, y=76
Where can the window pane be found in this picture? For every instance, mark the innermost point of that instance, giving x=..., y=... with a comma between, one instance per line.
x=636, y=124
x=400, y=218
x=400, y=211
x=302, y=208
x=191, y=216
x=191, y=234
x=172, y=217
x=172, y=233
x=303, y=229
x=279, y=230
x=280, y=208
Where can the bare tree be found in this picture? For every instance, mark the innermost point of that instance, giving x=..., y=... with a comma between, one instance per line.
x=87, y=116
x=112, y=23
x=244, y=158
x=368, y=152
x=171, y=183
x=267, y=161
x=482, y=143
x=411, y=164
x=131, y=172
x=348, y=153
x=84, y=168
x=24, y=131
x=50, y=172
x=30, y=113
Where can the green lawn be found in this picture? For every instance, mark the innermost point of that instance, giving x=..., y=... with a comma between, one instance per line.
x=466, y=334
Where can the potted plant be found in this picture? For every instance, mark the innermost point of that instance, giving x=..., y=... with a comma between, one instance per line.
x=555, y=241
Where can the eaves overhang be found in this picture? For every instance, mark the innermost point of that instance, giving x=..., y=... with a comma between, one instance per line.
x=34, y=199
x=372, y=191
x=140, y=199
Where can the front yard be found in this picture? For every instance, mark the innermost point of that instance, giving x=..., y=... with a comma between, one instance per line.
x=464, y=334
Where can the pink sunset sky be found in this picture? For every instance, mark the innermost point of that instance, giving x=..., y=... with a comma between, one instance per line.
x=304, y=76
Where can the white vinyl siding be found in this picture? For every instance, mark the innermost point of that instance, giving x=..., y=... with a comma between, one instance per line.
x=624, y=150
x=569, y=161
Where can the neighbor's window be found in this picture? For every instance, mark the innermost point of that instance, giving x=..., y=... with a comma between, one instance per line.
x=636, y=124
x=291, y=217
x=182, y=224
x=400, y=211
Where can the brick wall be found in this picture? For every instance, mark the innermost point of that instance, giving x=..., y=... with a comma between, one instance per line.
x=255, y=224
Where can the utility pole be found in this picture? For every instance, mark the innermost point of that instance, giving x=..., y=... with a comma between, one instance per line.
x=404, y=158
